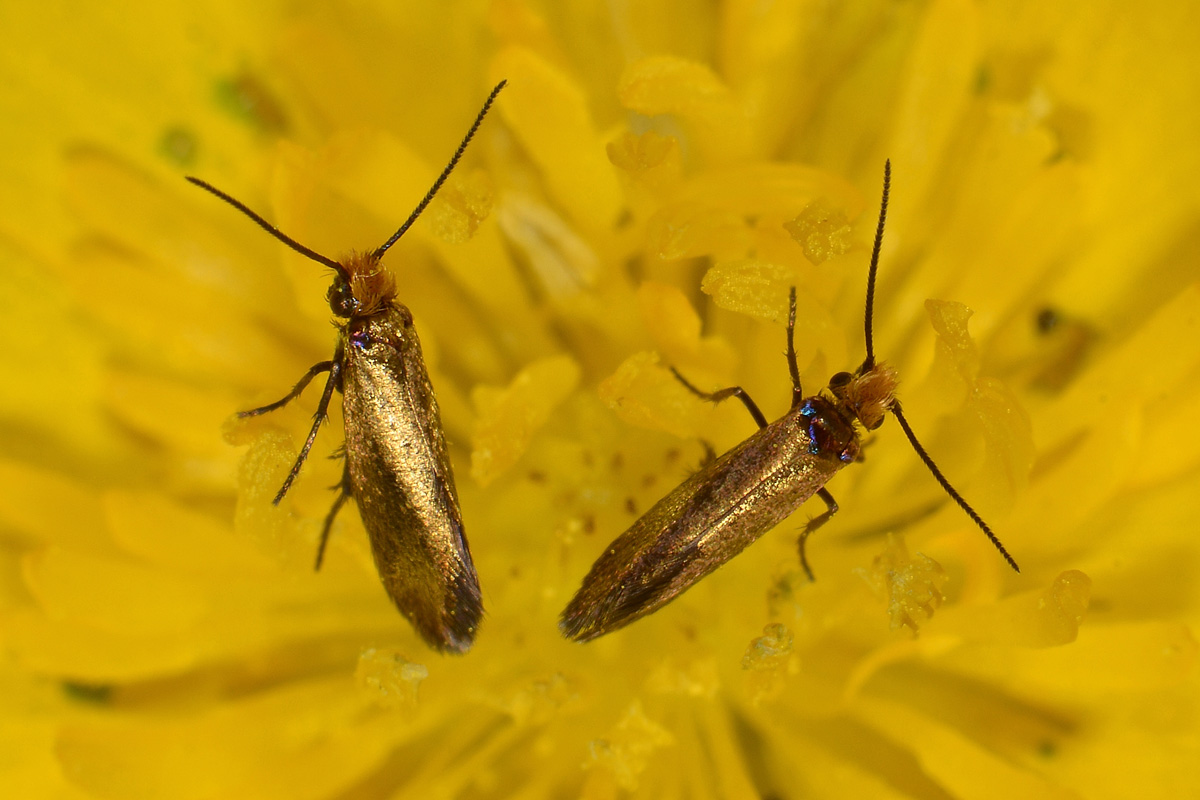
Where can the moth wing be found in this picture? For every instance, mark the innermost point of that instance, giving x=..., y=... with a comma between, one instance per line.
x=403, y=482
x=705, y=521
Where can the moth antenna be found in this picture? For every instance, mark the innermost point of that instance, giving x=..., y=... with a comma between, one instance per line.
x=887, y=182
x=950, y=490
x=271, y=229
x=487, y=104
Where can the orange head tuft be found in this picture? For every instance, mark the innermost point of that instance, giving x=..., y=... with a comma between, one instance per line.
x=868, y=395
x=371, y=284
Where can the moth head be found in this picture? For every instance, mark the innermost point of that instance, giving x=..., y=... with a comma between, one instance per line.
x=362, y=287
x=867, y=394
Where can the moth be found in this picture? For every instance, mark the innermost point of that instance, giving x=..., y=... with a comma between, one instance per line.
x=396, y=464
x=732, y=501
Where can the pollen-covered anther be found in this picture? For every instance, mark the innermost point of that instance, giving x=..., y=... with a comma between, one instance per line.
x=370, y=282
x=871, y=394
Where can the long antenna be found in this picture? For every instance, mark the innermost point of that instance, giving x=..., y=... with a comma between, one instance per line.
x=887, y=183
x=869, y=364
x=271, y=229
x=950, y=490
x=487, y=104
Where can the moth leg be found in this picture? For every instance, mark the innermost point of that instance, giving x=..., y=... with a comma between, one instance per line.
x=343, y=489
x=335, y=374
x=793, y=367
x=813, y=524
x=723, y=394
x=316, y=370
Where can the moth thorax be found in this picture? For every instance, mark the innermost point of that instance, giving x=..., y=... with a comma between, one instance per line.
x=868, y=396
x=370, y=282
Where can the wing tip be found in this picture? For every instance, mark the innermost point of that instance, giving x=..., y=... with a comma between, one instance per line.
x=461, y=619
x=451, y=630
x=585, y=618
x=577, y=628
x=453, y=643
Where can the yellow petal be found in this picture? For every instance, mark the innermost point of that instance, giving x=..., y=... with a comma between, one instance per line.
x=549, y=113
x=958, y=765
x=1041, y=618
x=711, y=114
x=510, y=417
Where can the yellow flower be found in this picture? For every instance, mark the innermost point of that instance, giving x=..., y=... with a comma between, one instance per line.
x=653, y=179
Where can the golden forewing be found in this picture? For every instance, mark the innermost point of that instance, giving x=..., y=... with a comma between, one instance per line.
x=403, y=482
x=701, y=524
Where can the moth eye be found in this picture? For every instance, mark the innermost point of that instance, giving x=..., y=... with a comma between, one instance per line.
x=341, y=299
x=839, y=380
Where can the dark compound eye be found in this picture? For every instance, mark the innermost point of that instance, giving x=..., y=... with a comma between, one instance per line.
x=839, y=380
x=341, y=299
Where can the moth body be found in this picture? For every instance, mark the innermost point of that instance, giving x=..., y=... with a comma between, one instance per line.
x=720, y=510
x=396, y=462
x=398, y=471
x=716, y=513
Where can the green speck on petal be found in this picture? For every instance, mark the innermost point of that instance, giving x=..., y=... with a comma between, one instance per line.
x=179, y=146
